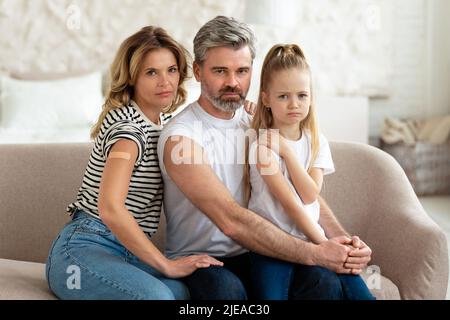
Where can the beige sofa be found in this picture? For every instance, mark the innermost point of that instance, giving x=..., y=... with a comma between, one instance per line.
x=369, y=193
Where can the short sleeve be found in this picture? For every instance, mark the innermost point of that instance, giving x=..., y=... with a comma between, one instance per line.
x=124, y=129
x=172, y=130
x=324, y=159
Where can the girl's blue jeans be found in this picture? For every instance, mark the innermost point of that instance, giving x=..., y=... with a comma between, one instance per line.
x=272, y=280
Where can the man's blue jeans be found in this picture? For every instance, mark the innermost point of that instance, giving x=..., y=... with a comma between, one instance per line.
x=236, y=281
x=87, y=261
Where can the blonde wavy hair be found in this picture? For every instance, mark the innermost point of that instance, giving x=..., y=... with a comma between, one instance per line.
x=127, y=64
x=281, y=57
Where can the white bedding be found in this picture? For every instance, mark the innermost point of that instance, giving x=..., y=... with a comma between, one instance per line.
x=10, y=136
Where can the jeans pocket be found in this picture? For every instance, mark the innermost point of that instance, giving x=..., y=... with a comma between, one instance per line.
x=93, y=226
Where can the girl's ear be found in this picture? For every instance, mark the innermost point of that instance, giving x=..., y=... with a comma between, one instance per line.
x=264, y=98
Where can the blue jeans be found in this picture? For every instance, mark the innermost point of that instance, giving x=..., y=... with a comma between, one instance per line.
x=233, y=281
x=279, y=280
x=86, y=261
x=236, y=281
x=230, y=282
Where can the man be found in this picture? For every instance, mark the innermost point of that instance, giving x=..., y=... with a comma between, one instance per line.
x=203, y=191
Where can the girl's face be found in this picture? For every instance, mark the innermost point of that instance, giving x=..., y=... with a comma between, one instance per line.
x=157, y=82
x=288, y=96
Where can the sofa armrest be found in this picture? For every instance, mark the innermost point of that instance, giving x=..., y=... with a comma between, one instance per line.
x=372, y=198
x=408, y=246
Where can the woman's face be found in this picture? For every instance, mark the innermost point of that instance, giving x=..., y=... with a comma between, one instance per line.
x=288, y=96
x=157, y=82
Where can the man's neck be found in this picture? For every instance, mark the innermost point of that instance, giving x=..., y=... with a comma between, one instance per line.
x=213, y=111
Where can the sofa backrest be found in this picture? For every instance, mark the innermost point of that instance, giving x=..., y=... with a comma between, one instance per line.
x=38, y=181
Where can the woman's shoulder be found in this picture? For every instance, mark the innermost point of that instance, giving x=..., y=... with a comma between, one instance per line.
x=123, y=118
x=125, y=112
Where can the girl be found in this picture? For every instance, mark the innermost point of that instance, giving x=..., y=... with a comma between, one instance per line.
x=286, y=167
x=105, y=252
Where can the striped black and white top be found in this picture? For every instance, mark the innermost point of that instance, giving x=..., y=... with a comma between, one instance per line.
x=145, y=193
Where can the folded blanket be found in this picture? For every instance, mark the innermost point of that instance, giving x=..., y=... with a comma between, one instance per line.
x=435, y=130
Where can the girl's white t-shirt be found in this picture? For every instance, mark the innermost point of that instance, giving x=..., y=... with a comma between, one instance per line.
x=265, y=204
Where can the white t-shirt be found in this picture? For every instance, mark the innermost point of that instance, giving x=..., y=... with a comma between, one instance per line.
x=264, y=203
x=189, y=230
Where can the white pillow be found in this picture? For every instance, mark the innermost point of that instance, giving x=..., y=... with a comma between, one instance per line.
x=65, y=103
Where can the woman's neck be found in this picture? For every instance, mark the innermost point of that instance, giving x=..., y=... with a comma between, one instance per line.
x=151, y=112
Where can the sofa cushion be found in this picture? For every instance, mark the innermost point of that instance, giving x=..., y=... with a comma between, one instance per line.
x=21, y=280
x=387, y=290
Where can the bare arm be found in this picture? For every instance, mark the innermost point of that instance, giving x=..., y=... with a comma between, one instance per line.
x=307, y=184
x=283, y=193
x=328, y=221
x=111, y=205
x=359, y=257
x=204, y=189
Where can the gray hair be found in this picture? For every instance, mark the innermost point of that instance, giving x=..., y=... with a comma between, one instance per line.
x=223, y=32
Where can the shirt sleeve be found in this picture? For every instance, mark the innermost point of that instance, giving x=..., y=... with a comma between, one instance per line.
x=324, y=159
x=128, y=130
x=170, y=131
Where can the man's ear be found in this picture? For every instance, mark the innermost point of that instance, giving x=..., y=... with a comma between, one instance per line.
x=196, y=68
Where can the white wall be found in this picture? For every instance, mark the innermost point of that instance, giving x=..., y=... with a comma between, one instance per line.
x=438, y=58
x=420, y=83
x=394, y=50
x=341, y=39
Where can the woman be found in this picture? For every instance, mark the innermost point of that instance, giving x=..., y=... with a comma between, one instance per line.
x=105, y=252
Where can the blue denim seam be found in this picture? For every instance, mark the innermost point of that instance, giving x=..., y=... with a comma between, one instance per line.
x=49, y=261
x=288, y=282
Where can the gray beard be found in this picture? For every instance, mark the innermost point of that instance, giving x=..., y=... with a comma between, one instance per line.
x=225, y=106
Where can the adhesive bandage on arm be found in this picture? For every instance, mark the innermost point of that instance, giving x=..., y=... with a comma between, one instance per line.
x=120, y=155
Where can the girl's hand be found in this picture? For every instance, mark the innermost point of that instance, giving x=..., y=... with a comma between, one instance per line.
x=250, y=107
x=184, y=266
x=273, y=140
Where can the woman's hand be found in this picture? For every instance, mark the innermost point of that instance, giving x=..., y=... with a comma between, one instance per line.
x=184, y=266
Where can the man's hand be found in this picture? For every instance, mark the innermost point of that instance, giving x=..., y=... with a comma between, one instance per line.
x=333, y=254
x=359, y=257
x=250, y=107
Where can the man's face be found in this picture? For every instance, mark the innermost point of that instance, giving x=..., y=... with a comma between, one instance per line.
x=225, y=76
